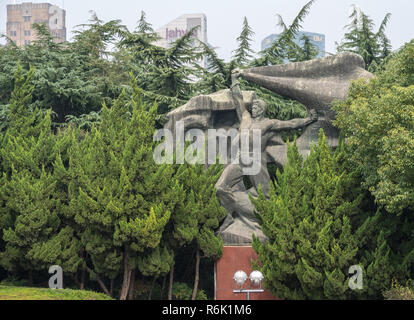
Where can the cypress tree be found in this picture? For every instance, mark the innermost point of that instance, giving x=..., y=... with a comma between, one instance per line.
x=208, y=213
x=33, y=233
x=120, y=199
x=307, y=219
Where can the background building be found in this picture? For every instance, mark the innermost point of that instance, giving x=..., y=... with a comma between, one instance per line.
x=21, y=17
x=180, y=26
x=317, y=39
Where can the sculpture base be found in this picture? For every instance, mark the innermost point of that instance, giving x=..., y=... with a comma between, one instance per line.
x=235, y=258
x=239, y=234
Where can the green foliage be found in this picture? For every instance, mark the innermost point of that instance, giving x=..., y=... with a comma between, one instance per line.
x=203, y=209
x=24, y=293
x=119, y=198
x=243, y=53
x=284, y=48
x=199, y=214
x=374, y=47
x=308, y=52
x=87, y=195
x=157, y=263
x=165, y=76
x=278, y=107
x=182, y=291
x=378, y=121
x=307, y=219
x=320, y=222
x=84, y=121
x=399, y=292
x=30, y=223
x=67, y=79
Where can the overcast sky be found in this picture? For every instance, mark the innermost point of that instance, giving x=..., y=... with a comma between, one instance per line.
x=224, y=17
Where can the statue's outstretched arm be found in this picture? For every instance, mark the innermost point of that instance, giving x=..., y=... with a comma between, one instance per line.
x=278, y=125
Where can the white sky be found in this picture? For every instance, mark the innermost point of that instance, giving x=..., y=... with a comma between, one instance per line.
x=224, y=17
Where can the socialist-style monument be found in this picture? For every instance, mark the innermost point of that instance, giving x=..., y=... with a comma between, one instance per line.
x=316, y=84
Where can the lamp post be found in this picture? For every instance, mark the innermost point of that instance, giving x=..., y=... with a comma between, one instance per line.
x=256, y=278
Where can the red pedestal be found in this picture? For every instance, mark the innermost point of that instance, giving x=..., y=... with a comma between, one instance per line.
x=235, y=259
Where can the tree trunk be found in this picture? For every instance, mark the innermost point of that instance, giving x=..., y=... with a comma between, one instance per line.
x=30, y=278
x=127, y=277
x=131, y=293
x=171, y=282
x=164, y=281
x=190, y=263
x=152, y=287
x=111, y=288
x=197, y=275
x=75, y=278
x=98, y=279
x=82, y=281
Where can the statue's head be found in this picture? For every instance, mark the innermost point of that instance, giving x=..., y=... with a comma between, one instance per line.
x=258, y=108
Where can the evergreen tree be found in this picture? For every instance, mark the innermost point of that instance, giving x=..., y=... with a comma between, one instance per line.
x=361, y=38
x=68, y=79
x=208, y=213
x=33, y=233
x=244, y=52
x=166, y=76
x=120, y=199
x=307, y=51
x=196, y=216
x=312, y=242
x=284, y=47
x=378, y=124
x=143, y=25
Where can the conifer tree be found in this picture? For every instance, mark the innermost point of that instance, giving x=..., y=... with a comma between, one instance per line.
x=307, y=51
x=363, y=40
x=33, y=233
x=121, y=200
x=284, y=47
x=143, y=25
x=244, y=52
x=196, y=216
x=208, y=213
x=312, y=242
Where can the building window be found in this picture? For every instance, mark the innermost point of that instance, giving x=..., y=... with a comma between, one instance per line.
x=27, y=42
x=27, y=33
x=27, y=18
x=13, y=33
x=318, y=38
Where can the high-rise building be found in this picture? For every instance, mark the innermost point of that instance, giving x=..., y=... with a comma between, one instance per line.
x=317, y=40
x=21, y=17
x=177, y=28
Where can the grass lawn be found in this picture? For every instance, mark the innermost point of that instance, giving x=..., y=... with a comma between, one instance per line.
x=26, y=293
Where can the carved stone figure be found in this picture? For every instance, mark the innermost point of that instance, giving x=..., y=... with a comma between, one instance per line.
x=240, y=219
x=316, y=84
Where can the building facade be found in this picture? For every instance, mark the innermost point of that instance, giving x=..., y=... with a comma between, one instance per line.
x=21, y=17
x=317, y=40
x=177, y=28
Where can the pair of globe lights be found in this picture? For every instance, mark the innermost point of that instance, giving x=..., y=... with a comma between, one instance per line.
x=256, y=278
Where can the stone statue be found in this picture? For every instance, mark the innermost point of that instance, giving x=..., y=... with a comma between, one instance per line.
x=316, y=84
x=233, y=195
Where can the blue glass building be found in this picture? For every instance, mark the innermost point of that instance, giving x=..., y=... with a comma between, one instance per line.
x=317, y=39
